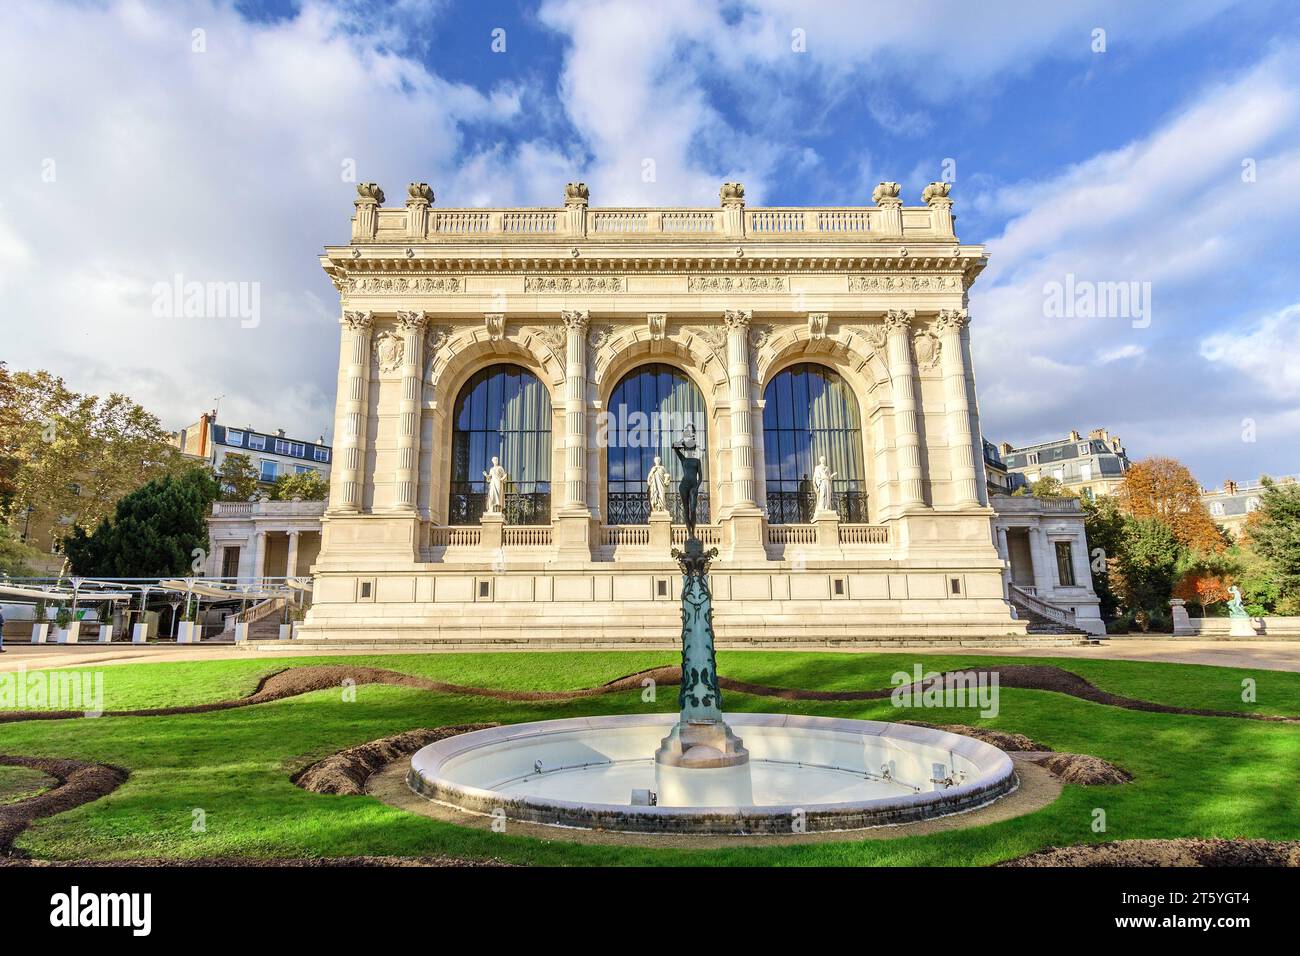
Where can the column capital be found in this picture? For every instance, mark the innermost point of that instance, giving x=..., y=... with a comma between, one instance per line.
x=358, y=321
x=576, y=320
x=899, y=320
x=737, y=319
x=412, y=321
x=952, y=320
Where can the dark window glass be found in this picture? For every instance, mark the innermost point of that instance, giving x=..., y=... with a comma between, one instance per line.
x=650, y=408
x=503, y=410
x=811, y=412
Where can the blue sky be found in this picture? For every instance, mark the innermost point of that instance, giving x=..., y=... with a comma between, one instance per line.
x=223, y=164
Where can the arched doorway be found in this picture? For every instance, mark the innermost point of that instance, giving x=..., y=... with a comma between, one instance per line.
x=651, y=407
x=810, y=411
x=503, y=410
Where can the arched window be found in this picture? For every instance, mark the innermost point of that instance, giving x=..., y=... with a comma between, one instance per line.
x=650, y=409
x=810, y=411
x=503, y=410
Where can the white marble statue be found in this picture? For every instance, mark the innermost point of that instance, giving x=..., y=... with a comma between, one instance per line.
x=824, y=484
x=496, y=482
x=657, y=483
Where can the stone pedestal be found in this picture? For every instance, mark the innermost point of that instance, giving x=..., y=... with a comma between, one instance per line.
x=661, y=531
x=139, y=633
x=746, y=535
x=573, y=535
x=105, y=633
x=1241, y=627
x=827, y=524
x=1178, y=612
x=493, y=524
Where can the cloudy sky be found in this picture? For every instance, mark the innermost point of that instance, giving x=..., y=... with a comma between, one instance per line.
x=212, y=141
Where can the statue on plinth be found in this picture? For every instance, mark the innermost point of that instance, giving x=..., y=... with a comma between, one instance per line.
x=689, y=486
x=657, y=486
x=496, y=486
x=1235, y=607
x=824, y=484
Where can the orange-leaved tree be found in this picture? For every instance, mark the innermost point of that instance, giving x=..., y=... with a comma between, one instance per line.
x=1164, y=489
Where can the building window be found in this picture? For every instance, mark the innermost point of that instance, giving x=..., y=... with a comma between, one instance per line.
x=810, y=412
x=321, y=453
x=1088, y=493
x=1216, y=509
x=270, y=470
x=257, y=442
x=1082, y=449
x=281, y=447
x=1031, y=458
x=652, y=407
x=1065, y=563
x=503, y=410
x=234, y=438
x=303, y=470
x=1085, y=472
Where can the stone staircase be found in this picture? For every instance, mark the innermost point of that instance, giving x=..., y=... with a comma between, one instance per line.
x=1040, y=624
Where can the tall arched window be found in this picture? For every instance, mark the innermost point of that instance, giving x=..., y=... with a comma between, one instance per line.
x=503, y=410
x=811, y=412
x=650, y=409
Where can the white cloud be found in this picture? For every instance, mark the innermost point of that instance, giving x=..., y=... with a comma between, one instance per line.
x=1266, y=351
x=1106, y=356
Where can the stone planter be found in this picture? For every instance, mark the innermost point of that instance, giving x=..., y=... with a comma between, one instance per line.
x=241, y=633
x=139, y=633
x=71, y=634
x=41, y=633
x=189, y=632
x=286, y=632
x=106, y=633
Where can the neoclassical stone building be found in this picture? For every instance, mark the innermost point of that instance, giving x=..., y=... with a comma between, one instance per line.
x=577, y=344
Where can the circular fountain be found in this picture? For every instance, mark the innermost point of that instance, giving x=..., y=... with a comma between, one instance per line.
x=818, y=773
x=690, y=772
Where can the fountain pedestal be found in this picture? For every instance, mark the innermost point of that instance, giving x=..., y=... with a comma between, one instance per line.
x=701, y=762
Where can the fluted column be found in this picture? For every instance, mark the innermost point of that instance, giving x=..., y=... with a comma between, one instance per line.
x=412, y=326
x=291, y=561
x=259, y=557
x=576, y=324
x=742, y=425
x=350, y=413
x=961, y=448
x=907, y=441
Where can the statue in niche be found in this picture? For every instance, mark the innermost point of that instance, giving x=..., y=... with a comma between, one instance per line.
x=496, y=490
x=657, y=485
x=689, y=486
x=824, y=484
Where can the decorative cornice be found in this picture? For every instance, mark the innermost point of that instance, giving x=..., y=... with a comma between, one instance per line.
x=754, y=283
x=580, y=284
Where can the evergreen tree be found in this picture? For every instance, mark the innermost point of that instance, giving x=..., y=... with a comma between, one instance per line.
x=1148, y=567
x=154, y=530
x=1275, y=536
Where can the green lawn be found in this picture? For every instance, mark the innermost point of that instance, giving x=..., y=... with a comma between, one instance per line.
x=1195, y=776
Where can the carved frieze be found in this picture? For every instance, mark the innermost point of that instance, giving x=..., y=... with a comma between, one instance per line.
x=575, y=284
x=404, y=285
x=905, y=283
x=748, y=283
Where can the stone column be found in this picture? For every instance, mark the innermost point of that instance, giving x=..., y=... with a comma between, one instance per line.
x=348, y=482
x=733, y=210
x=412, y=326
x=576, y=324
x=888, y=220
x=935, y=196
x=259, y=557
x=951, y=326
x=365, y=225
x=1040, y=559
x=576, y=197
x=907, y=441
x=1082, y=562
x=742, y=422
x=1004, y=552
x=291, y=563
x=419, y=198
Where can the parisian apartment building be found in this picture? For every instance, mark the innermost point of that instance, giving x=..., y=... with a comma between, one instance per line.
x=1089, y=467
x=272, y=453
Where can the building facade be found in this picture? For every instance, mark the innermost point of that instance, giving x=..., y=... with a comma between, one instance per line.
x=256, y=540
x=575, y=345
x=1089, y=467
x=1230, y=506
x=271, y=454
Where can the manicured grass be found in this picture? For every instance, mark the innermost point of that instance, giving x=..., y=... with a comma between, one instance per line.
x=1195, y=776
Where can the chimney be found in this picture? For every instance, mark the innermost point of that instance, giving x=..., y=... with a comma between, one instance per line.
x=1097, y=433
x=1005, y=448
x=1229, y=486
x=1074, y=435
x=279, y=432
x=1115, y=443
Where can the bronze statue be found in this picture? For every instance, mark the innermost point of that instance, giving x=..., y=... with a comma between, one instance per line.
x=689, y=486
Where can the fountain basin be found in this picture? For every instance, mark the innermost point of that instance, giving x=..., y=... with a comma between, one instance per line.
x=808, y=774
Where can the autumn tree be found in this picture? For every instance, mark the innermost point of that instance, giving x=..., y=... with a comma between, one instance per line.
x=1163, y=489
x=238, y=477
x=75, y=455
